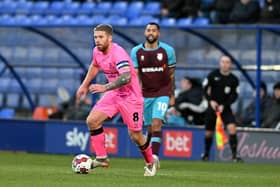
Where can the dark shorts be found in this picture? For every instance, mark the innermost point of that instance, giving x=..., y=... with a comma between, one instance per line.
x=210, y=117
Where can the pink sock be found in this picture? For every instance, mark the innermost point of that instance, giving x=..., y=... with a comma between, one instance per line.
x=148, y=155
x=98, y=142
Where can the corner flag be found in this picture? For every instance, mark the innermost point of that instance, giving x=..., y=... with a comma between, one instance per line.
x=221, y=137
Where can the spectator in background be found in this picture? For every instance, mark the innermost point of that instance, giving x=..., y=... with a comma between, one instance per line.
x=270, y=13
x=180, y=8
x=272, y=114
x=247, y=118
x=190, y=102
x=245, y=11
x=221, y=11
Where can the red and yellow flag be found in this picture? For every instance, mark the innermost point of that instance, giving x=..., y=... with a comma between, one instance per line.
x=221, y=137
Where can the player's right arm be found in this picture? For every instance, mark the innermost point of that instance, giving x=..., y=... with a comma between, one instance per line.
x=83, y=89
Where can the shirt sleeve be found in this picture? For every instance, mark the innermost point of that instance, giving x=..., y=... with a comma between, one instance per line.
x=134, y=57
x=171, y=56
x=93, y=61
x=122, y=61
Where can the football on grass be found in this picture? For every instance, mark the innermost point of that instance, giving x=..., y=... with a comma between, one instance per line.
x=82, y=164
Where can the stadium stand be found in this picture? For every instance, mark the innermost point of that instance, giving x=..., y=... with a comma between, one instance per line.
x=44, y=67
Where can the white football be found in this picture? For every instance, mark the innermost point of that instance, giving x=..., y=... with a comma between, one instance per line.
x=82, y=163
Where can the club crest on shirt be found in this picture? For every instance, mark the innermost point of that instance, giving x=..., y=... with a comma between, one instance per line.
x=142, y=58
x=227, y=89
x=160, y=56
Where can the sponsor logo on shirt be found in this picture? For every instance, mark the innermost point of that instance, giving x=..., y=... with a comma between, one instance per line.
x=152, y=69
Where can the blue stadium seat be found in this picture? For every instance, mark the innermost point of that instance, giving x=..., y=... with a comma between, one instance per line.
x=25, y=104
x=143, y=20
x=269, y=57
x=7, y=113
x=6, y=19
x=40, y=7
x=22, y=20
x=68, y=20
x=71, y=8
x=37, y=20
x=56, y=8
x=5, y=83
x=1, y=100
x=23, y=7
x=13, y=100
x=66, y=73
x=8, y=7
x=46, y=100
x=50, y=73
x=32, y=73
x=103, y=7
x=201, y=21
x=34, y=85
x=184, y=22
x=119, y=8
x=151, y=8
x=87, y=8
x=134, y=9
x=85, y=19
x=53, y=20
x=49, y=86
x=14, y=86
x=97, y=19
x=116, y=20
x=20, y=53
x=168, y=22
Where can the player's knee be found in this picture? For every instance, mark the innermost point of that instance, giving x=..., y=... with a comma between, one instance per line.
x=92, y=122
x=157, y=125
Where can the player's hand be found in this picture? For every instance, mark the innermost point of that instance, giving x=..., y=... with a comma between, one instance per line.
x=214, y=105
x=81, y=94
x=220, y=108
x=97, y=88
x=172, y=101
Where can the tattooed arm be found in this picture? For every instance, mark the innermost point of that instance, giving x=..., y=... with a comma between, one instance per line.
x=122, y=80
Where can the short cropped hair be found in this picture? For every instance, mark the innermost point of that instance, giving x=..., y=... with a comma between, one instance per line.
x=104, y=27
x=154, y=23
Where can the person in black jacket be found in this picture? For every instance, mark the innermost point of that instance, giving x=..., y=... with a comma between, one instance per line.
x=272, y=113
x=270, y=13
x=222, y=11
x=190, y=102
x=180, y=8
x=221, y=90
x=248, y=116
x=245, y=11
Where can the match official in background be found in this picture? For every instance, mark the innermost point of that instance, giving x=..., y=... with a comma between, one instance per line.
x=221, y=90
x=155, y=63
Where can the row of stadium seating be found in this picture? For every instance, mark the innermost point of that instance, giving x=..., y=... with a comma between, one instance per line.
x=131, y=10
x=117, y=20
x=87, y=13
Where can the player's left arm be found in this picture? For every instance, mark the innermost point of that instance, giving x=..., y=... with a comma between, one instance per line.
x=172, y=78
x=122, y=80
x=171, y=66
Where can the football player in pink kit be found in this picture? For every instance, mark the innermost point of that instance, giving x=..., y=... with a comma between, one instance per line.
x=122, y=95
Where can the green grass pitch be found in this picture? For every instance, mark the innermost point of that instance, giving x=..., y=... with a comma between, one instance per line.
x=44, y=170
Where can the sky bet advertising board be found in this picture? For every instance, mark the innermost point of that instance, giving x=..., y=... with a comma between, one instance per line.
x=177, y=142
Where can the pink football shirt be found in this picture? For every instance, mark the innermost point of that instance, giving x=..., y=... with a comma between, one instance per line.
x=115, y=62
